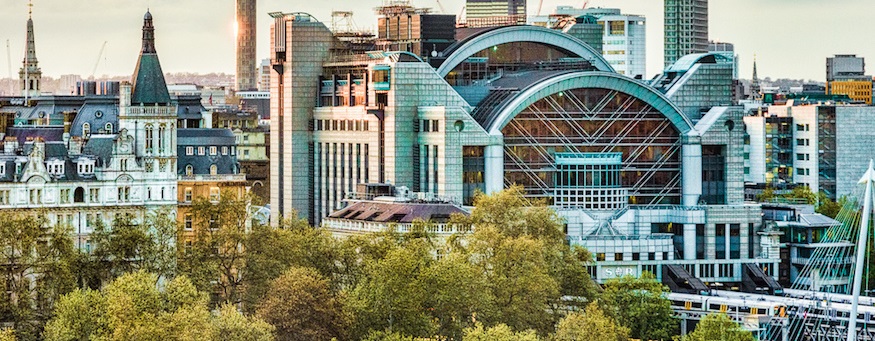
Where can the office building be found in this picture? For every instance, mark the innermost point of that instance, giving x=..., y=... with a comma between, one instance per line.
x=402, y=27
x=264, y=76
x=246, y=43
x=698, y=82
x=489, y=13
x=624, y=44
x=846, y=75
x=686, y=28
x=643, y=185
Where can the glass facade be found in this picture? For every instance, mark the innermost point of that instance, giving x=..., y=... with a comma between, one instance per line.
x=473, y=166
x=826, y=144
x=595, y=120
x=516, y=56
x=713, y=175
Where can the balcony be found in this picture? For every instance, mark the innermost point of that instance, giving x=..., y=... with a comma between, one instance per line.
x=216, y=177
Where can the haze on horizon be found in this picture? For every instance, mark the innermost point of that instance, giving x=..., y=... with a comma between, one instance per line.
x=791, y=38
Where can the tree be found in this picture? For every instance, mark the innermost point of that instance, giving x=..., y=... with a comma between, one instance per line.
x=718, y=327
x=214, y=255
x=457, y=291
x=301, y=307
x=7, y=335
x=828, y=207
x=35, y=268
x=500, y=332
x=640, y=305
x=134, y=308
x=767, y=195
x=803, y=193
x=392, y=295
x=592, y=325
x=230, y=324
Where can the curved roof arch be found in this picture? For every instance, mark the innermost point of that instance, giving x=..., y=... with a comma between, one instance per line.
x=589, y=79
x=686, y=62
x=521, y=33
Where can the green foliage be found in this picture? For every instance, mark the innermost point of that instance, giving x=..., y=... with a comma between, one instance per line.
x=500, y=332
x=828, y=207
x=385, y=336
x=29, y=246
x=767, y=195
x=640, y=305
x=302, y=307
x=803, y=193
x=133, y=307
x=592, y=325
x=718, y=327
x=7, y=335
x=230, y=324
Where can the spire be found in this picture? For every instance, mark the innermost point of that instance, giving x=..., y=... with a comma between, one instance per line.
x=30, y=73
x=149, y=86
x=148, y=34
x=755, y=82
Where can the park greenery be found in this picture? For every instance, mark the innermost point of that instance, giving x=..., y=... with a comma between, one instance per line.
x=513, y=277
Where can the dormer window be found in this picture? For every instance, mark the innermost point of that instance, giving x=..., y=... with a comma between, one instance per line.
x=108, y=128
x=85, y=166
x=86, y=129
x=55, y=167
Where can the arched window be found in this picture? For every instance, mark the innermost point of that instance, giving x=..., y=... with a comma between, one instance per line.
x=189, y=170
x=149, y=138
x=79, y=194
x=86, y=129
x=108, y=128
x=161, y=139
x=213, y=169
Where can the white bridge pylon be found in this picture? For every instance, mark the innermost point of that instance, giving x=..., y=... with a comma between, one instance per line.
x=868, y=178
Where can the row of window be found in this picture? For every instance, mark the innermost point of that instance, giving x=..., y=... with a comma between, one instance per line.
x=803, y=127
x=214, y=194
x=429, y=126
x=803, y=171
x=69, y=195
x=802, y=157
x=802, y=142
x=86, y=128
x=214, y=150
x=619, y=256
x=340, y=125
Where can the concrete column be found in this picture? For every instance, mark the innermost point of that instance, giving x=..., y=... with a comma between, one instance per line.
x=689, y=241
x=691, y=168
x=494, y=168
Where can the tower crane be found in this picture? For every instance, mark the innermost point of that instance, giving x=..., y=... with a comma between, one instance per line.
x=9, y=67
x=441, y=6
x=99, y=54
x=540, y=4
x=585, y=2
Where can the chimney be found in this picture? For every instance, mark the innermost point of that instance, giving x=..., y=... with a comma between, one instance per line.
x=124, y=99
x=75, y=146
x=10, y=145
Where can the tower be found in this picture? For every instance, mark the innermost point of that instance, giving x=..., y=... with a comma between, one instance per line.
x=686, y=28
x=146, y=114
x=246, y=45
x=755, y=82
x=30, y=73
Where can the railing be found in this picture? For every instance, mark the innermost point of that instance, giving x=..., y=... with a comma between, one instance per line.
x=369, y=226
x=211, y=177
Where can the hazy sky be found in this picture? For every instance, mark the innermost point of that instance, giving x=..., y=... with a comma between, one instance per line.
x=791, y=38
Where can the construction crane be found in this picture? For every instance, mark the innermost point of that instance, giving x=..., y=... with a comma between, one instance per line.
x=540, y=4
x=9, y=68
x=441, y=6
x=99, y=54
x=585, y=2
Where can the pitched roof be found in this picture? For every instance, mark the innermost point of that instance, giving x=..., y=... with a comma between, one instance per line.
x=149, y=85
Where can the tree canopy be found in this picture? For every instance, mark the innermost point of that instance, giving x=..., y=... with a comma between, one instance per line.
x=718, y=327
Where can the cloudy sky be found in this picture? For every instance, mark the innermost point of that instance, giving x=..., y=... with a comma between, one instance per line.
x=791, y=38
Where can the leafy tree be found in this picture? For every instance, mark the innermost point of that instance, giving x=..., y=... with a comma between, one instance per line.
x=828, y=207
x=37, y=268
x=392, y=295
x=803, y=193
x=7, y=335
x=384, y=336
x=500, y=332
x=457, y=291
x=134, y=308
x=230, y=324
x=718, y=327
x=767, y=195
x=592, y=325
x=640, y=305
x=214, y=255
x=302, y=307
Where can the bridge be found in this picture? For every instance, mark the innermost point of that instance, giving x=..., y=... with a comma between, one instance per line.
x=805, y=311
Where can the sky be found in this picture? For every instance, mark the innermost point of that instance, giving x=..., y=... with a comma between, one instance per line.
x=790, y=38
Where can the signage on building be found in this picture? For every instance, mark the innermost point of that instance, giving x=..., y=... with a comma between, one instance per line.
x=614, y=271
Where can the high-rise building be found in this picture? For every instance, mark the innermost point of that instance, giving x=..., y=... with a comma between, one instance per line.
x=686, y=28
x=624, y=44
x=729, y=50
x=846, y=75
x=484, y=13
x=30, y=73
x=246, y=79
x=264, y=76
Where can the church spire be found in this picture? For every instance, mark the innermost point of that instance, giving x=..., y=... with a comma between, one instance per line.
x=148, y=34
x=30, y=73
x=755, y=82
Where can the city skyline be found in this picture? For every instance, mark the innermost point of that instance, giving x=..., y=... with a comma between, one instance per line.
x=69, y=34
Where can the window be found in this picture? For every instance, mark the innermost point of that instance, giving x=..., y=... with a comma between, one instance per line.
x=425, y=125
x=224, y=150
x=802, y=157
x=201, y=150
x=162, y=139
x=149, y=138
x=2, y=168
x=79, y=195
x=188, y=223
x=108, y=128
x=213, y=169
x=189, y=150
x=213, y=150
x=86, y=129
x=246, y=153
x=187, y=194
x=189, y=170
x=434, y=125
x=36, y=196
x=214, y=194
x=4, y=197
x=94, y=195
x=124, y=193
x=233, y=150
x=65, y=196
